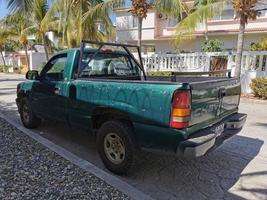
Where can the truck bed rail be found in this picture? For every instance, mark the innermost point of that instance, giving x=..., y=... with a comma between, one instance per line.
x=174, y=74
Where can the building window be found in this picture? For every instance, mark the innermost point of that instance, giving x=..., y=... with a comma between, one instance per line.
x=226, y=14
x=172, y=22
x=263, y=14
x=134, y=22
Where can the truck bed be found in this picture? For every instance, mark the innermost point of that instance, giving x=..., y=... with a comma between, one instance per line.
x=162, y=79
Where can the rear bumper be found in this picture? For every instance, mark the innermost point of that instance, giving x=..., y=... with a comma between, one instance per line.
x=204, y=141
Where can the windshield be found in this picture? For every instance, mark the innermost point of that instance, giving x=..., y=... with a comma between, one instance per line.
x=109, y=65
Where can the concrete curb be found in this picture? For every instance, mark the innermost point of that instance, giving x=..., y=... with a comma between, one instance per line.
x=85, y=165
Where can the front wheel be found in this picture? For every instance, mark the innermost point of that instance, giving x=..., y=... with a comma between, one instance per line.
x=27, y=116
x=116, y=146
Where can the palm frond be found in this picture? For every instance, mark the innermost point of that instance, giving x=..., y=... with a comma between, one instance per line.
x=174, y=8
x=185, y=29
x=100, y=13
x=20, y=5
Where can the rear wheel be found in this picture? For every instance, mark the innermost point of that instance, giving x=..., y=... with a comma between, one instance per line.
x=116, y=146
x=27, y=116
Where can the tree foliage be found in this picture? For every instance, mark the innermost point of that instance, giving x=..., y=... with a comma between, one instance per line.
x=212, y=46
x=140, y=8
x=261, y=46
x=80, y=19
x=245, y=9
x=202, y=11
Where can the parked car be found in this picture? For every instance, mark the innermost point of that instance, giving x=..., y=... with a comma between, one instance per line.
x=108, y=92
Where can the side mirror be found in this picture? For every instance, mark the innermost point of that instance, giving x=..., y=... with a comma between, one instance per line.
x=32, y=75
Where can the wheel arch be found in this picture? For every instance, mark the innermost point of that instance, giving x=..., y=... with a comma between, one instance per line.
x=102, y=114
x=22, y=94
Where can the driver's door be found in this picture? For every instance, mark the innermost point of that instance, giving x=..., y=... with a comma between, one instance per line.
x=47, y=98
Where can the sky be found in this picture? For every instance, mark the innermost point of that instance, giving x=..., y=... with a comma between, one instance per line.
x=3, y=9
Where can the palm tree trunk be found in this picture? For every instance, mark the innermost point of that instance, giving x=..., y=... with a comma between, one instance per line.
x=140, y=22
x=3, y=58
x=240, y=45
x=45, y=47
x=206, y=30
x=27, y=57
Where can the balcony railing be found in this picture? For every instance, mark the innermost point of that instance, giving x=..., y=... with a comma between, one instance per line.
x=199, y=61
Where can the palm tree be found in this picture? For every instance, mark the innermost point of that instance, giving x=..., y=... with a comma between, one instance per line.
x=36, y=11
x=20, y=5
x=198, y=5
x=199, y=14
x=3, y=38
x=18, y=26
x=139, y=9
x=79, y=19
x=246, y=10
x=211, y=8
x=40, y=27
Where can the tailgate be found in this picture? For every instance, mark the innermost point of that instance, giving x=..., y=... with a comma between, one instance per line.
x=212, y=100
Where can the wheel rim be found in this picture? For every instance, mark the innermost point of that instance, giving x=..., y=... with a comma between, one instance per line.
x=114, y=148
x=25, y=113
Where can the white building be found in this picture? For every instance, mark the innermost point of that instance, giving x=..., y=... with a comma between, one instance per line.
x=36, y=56
x=159, y=30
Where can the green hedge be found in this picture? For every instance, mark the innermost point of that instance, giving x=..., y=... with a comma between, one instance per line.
x=4, y=68
x=259, y=87
x=159, y=73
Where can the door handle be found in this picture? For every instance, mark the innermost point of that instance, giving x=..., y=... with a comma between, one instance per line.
x=57, y=91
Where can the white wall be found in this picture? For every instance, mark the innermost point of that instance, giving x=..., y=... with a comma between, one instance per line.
x=1, y=59
x=37, y=60
x=163, y=46
x=195, y=45
x=10, y=59
x=125, y=31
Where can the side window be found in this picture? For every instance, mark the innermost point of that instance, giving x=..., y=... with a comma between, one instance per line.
x=108, y=65
x=54, y=69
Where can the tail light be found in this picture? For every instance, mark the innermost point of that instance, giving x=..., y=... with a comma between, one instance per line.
x=181, y=109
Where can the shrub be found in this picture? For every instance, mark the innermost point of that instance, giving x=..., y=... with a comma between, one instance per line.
x=261, y=46
x=212, y=46
x=159, y=73
x=17, y=70
x=4, y=68
x=259, y=87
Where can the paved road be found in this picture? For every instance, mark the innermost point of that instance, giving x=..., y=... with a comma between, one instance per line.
x=237, y=170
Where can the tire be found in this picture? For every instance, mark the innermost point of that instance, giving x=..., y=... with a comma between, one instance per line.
x=120, y=165
x=28, y=118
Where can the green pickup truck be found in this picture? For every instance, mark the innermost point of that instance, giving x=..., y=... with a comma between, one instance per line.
x=106, y=91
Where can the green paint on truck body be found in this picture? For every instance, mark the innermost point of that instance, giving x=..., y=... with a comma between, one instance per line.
x=146, y=103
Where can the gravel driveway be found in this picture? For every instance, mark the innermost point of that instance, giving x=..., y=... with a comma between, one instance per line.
x=28, y=170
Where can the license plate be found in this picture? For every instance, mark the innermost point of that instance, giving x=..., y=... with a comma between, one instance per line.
x=219, y=129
